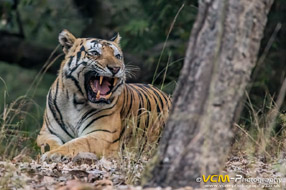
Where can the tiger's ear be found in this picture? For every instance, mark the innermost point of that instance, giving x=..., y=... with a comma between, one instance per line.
x=67, y=40
x=116, y=38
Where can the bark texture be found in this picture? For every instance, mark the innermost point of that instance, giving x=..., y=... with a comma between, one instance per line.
x=221, y=54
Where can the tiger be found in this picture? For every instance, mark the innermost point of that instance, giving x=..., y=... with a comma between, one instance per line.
x=89, y=106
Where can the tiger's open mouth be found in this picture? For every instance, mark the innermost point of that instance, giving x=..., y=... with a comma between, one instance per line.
x=99, y=88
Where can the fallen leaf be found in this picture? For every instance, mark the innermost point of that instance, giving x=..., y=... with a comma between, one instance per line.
x=85, y=157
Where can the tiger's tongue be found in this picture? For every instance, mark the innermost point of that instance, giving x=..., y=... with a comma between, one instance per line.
x=103, y=88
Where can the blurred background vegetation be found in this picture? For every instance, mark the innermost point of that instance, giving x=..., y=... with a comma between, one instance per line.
x=154, y=38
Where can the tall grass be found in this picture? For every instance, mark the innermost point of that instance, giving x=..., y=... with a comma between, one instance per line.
x=19, y=118
x=138, y=146
x=263, y=132
x=164, y=46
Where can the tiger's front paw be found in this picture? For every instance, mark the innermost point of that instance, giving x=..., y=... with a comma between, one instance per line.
x=55, y=156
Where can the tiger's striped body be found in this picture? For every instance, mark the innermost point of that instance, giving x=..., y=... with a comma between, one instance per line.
x=86, y=113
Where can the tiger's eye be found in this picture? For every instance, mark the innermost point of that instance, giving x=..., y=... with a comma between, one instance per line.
x=118, y=56
x=94, y=52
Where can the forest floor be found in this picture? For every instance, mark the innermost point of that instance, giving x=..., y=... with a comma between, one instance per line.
x=86, y=172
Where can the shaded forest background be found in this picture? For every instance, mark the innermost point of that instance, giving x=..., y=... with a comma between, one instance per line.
x=154, y=38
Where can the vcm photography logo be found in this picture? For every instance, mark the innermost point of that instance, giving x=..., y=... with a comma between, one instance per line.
x=237, y=178
x=216, y=178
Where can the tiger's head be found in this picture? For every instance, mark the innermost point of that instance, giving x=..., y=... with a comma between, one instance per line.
x=93, y=67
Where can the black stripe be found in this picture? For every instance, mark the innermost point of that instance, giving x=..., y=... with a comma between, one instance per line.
x=113, y=90
x=155, y=97
x=100, y=66
x=92, y=112
x=125, y=99
x=48, y=124
x=161, y=101
x=139, y=109
x=82, y=48
x=95, y=119
x=95, y=66
x=52, y=109
x=85, y=115
x=76, y=67
x=148, y=109
x=62, y=81
x=157, y=92
x=84, y=64
x=101, y=130
x=121, y=134
x=71, y=58
x=145, y=92
x=78, y=56
x=163, y=94
x=94, y=41
x=131, y=101
x=58, y=110
x=75, y=82
x=162, y=105
x=67, y=94
x=77, y=60
x=76, y=102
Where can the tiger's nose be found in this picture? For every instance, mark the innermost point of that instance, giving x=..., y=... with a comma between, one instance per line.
x=114, y=70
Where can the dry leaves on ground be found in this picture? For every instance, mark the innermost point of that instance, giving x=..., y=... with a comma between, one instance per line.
x=87, y=172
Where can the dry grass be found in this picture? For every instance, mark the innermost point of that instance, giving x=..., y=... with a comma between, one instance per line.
x=136, y=150
x=13, y=138
x=11, y=120
x=265, y=134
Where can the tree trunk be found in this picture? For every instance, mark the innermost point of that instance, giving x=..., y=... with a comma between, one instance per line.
x=221, y=54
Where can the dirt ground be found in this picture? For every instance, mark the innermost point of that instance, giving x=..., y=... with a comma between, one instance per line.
x=87, y=172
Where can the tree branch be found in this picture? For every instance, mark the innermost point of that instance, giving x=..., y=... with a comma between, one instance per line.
x=14, y=49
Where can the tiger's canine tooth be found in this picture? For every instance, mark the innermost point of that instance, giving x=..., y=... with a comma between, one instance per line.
x=115, y=81
x=98, y=95
x=100, y=80
x=108, y=95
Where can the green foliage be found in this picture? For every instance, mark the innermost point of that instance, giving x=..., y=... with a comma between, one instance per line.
x=41, y=20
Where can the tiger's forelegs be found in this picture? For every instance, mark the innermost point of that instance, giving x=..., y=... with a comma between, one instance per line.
x=96, y=143
x=46, y=138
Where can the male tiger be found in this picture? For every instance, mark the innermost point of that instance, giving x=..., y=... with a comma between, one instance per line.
x=89, y=103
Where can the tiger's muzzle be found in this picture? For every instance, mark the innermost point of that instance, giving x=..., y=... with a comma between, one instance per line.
x=100, y=88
